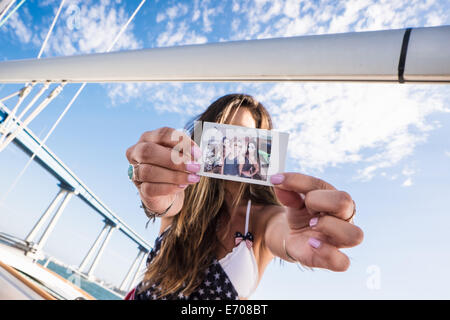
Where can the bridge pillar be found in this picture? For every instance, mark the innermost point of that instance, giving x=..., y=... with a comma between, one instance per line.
x=93, y=248
x=123, y=286
x=45, y=216
x=54, y=220
x=100, y=251
x=35, y=247
x=139, y=267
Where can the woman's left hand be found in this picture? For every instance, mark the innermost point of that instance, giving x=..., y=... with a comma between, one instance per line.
x=318, y=222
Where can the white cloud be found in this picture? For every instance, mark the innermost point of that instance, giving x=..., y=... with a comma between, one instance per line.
x=447, y=153
x=408, y=171
x=179, y=34
x=407, y=183
x=160, y=17
x=177, y=11
x=196, y=11
x=236, y=6
x=86, y=27
x=16, y=25
x=291, y=18
x=292, y=8
x=333, y=124
x=376, y=126
x=188, y=99
x=373, y=126
x=184, y=26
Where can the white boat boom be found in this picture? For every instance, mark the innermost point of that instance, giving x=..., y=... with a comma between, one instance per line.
x=356, y=56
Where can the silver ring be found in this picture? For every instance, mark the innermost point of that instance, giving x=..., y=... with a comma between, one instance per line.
x=354, y=212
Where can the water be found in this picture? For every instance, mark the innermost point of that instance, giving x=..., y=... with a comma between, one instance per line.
x=92, y=288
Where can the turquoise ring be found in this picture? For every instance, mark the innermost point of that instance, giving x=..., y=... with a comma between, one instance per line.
x=130, y=172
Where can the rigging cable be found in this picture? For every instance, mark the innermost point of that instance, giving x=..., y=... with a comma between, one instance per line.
x=68, y=107
x=44, y=44
x=12, y=11
x=12, y=114
x=7, y=7
x=23, y=93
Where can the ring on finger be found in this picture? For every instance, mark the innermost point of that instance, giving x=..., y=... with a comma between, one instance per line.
x=133, y=172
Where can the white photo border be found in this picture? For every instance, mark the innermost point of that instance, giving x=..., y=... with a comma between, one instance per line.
x=278, y=152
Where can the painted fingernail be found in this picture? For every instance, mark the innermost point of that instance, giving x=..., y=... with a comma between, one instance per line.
x=277, y=178
x=192, y=167
x=196, y=152
x=193, y=178
x=182, y=186
x=313, y=221
x=313, y=242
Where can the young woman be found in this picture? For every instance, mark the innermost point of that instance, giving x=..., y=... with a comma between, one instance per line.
x=218, y=236
x=230, y=163
x=250, y=167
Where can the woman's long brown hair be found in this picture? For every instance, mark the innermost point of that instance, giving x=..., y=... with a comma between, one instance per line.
x=191, y=242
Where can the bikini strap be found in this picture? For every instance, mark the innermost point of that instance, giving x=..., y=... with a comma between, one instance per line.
x=247, y=215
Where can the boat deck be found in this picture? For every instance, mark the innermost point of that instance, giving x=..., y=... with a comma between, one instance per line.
x=22, y=278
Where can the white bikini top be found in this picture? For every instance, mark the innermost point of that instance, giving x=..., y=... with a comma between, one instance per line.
x=240, y=264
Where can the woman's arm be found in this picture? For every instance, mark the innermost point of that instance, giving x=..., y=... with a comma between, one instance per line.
x=314, y=226
x=160, y=173
x=276, y=230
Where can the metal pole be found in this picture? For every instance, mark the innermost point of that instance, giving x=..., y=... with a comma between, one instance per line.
x=100, y=252
x=54, y=220
x=44, y=217
x=355, y=56
x=4, y=7
x=93, y=248
x=52, y=95
x=139, y=268
x=127, y=277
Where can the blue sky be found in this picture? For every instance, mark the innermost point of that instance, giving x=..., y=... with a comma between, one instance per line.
x=387, y=145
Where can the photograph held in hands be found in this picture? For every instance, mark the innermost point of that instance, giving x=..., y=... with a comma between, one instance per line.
x=242, y=154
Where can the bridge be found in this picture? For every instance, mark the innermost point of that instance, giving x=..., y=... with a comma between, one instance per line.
x=69, y=185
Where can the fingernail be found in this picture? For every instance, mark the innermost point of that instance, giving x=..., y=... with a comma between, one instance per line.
x=182, y=186
x=314, y=242
x=196, y=152
x=277, y=178
x=193, y=178
x=192, y=167
x=313, y=221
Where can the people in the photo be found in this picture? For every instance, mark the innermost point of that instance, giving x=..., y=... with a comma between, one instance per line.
x=230, y=158
x=263, y=153
x=241, y=150
x=213, y=157
x=250, y=167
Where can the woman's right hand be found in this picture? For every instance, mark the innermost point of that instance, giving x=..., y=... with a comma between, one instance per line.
x=164, y=165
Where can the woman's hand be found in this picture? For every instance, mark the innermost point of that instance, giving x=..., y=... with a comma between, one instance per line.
x=164, y=167
x=318, y=222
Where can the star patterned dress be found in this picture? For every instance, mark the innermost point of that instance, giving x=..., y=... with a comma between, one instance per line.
x=215, y=286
